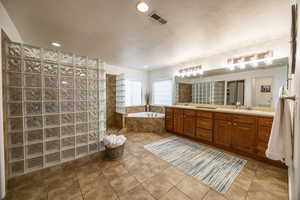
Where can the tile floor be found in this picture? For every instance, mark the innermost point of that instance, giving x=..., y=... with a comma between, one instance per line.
x=140, y=175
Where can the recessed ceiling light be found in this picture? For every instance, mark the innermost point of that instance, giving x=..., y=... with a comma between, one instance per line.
x=142, y=7
x=56, y=44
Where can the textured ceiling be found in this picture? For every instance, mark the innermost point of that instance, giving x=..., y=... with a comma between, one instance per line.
x=114, y=31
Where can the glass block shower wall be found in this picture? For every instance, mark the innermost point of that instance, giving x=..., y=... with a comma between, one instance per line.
x=54, y=106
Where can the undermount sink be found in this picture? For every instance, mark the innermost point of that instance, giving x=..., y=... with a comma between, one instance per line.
x=206, y=107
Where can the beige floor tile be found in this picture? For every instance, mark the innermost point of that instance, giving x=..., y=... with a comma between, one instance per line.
x=138, y=193
x=114, y=172
x=175, y=194
x=263, y=195
x=212, y=195
x=158, y=186
x=173, y=174
x=193, y=188
x=142, y=173
x=123, y=184
x=235, y=192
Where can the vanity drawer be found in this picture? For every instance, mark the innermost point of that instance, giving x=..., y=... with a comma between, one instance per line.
x=267, y=122
x=223, y=116
x=204, y=123
x=245, y=119
x=169, y=110
x=204, y=134
x=189, y=113
x=205, y=114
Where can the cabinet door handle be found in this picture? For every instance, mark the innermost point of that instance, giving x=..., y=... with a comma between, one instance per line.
x=234, y=124
x=229, y=123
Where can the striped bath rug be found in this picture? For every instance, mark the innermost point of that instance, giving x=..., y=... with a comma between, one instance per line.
x=216, y=169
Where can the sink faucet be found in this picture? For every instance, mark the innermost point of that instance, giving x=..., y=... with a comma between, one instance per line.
x=238, y=105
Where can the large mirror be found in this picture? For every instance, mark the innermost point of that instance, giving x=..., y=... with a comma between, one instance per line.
x=256, y=87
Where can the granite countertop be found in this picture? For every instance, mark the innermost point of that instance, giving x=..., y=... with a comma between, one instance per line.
x=227, y=110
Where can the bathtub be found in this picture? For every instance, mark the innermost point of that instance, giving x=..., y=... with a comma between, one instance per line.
x=146, y=115
x=145, y=122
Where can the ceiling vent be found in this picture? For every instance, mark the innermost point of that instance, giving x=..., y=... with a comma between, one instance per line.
x=158, y=18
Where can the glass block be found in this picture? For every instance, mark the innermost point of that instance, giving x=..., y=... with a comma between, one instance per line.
x=92, y=74
x=34, y=122
x=80, y=72
x=81, y=139
x=93, y=147
x=66, y=71
x=66, y=58
x=67, y=94
x=14, y=65
x=53, y=146
x=93, y=95
x=53, y=158
x=16, y=153
x=34, y=149
x=15, y=124
x=31, y=52
x=52, y=120
x=68, y=154
x=52, y=133
x=93, y=115
x=81, y=106
x=93, y=136
x=82, y=150
x=81, y=95
x=34, y=136
x=67, y=82
x=51, y=81
x=92, y=63
x=33, y=80
x=81, y=117
x=81, y=83
x=93, y=126
x=93, y=105
x=17, y=167
x=81, y=128
x=67, y=118
x=92, y=84
x=14, y=49
x=51, y=107
x=50, y=55
x=15, y=109
x=68, y=142
x=33, y=94
x=14, y=79
x=14, y=94
x=51, y=95
x=34, y=108
x=67, y=106
x=16, y=138
x=32, y=66
x=67, y=130
x=80, y=60
x=34, y=163
x=50, y=69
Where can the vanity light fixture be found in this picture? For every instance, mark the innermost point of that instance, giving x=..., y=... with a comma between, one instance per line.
x=55, y=44
x=142, y=7
x=252, y=60
x=190, y=71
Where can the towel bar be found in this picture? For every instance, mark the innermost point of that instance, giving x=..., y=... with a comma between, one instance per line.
x=289, y=97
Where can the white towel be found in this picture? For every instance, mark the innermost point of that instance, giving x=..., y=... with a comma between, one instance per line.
x=280, y=142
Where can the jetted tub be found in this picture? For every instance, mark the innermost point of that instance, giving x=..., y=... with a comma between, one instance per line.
x=145, y=122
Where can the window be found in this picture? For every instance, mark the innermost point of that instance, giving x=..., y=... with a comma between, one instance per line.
x=162, y=92
x=133, y=93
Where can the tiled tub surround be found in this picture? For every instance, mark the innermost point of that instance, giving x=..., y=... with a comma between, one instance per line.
x=55, y=107
x=142, y=175
x=145, y=122
x=111, y=104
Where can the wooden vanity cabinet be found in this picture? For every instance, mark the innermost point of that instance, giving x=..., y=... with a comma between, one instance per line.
x=178, y=121
x=189, y=122
x=264, y=126
x=169, y=119
x=204, y=126
x=243, y=133
x=223, y=129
